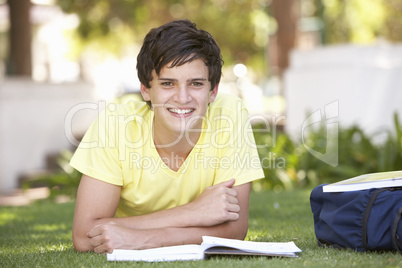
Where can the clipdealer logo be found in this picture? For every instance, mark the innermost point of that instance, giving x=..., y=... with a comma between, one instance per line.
x=202, y=161
x=327, y=117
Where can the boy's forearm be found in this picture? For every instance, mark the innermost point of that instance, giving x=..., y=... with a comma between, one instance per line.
x=182, y=224
x=213, y=207
x=193, y=235
x=108, y=237
x=175, y=217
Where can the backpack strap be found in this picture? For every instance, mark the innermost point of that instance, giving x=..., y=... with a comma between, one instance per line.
x=397, y=244
x=366, y=215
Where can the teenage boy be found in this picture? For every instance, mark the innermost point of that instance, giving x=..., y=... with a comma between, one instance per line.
x=174, y=168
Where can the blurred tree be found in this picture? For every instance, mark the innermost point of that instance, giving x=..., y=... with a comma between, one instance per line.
x=393, y=21
x=335, y=21
x=234, y=24
x=360, y=21
x=19, y=61
x=287, y=16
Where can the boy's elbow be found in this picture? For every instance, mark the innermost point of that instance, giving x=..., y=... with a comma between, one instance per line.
x=81, y=244
x=238, y=231
x=242, y=232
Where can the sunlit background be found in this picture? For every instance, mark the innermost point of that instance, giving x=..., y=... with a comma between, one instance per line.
x=286, y=59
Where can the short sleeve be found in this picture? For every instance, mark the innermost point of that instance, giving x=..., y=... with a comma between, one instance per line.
x=97, y=155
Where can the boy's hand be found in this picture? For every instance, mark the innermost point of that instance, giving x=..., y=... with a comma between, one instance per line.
x=216, y=205
x=104, y=238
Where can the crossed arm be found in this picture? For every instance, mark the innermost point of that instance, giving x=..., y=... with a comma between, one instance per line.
x=221, y=210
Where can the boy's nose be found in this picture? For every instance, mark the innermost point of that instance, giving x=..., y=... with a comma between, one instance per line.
x=182, y=95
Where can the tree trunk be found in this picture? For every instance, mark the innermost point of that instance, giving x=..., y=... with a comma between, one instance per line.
x=286, y=15
x=19, y=62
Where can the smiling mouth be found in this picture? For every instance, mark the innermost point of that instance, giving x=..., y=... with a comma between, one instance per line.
x=180, y=111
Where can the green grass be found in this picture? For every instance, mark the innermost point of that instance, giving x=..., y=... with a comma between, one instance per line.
x=40, y=236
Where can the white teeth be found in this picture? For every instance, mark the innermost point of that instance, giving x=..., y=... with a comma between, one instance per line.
x=180, y=111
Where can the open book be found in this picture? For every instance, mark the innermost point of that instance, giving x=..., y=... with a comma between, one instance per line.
x=210, y=246
x=367, y=181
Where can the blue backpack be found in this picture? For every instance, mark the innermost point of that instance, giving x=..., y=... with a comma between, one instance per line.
x=360, y=220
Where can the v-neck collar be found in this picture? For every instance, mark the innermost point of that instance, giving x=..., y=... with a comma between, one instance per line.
x=190, y=156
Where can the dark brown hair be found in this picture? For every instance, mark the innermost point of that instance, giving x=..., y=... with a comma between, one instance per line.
x=178, y=42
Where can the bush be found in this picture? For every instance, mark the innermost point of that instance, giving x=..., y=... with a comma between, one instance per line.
x=65, y=181
x=358, y=153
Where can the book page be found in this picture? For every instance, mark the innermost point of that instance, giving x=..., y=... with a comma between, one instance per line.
x=232, y=251
x=366, y=181
x=250, y=246
x=196, y=252
x=183, y=252
x=373, y=177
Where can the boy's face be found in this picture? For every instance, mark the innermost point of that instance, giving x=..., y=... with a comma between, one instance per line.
x=180, y=96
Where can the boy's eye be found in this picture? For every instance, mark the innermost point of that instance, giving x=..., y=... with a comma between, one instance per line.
x=167, y=84
x=197, y=84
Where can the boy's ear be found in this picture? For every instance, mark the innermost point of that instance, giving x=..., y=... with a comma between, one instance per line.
x=213, y=93
x=145, y=92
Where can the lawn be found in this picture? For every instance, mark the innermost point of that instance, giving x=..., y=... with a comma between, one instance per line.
x=40, y=236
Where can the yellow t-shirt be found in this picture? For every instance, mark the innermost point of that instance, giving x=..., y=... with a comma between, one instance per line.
x=118, y=148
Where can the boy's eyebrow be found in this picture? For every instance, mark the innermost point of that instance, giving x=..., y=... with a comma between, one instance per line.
x=189, y=80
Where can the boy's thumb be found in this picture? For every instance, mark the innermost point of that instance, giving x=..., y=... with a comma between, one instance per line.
x=229, y=183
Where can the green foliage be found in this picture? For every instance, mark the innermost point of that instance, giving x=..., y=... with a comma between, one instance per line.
x=241, y=28
x=62, y=182
x=359, y=21
x=358, y=153
x=391, y=155
x=356, y=21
